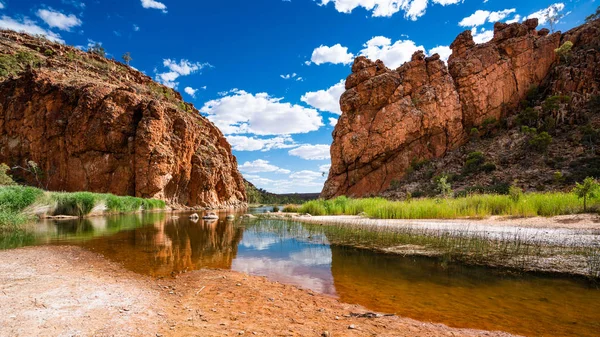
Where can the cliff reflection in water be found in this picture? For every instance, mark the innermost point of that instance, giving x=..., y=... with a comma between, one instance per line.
x=156, y=244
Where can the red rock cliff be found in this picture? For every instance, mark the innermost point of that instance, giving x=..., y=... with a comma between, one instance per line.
x=92, y=124
x=423, y=109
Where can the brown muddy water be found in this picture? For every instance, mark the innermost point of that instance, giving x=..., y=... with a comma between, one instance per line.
x=426, y=289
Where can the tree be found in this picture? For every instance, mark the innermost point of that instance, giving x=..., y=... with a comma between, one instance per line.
x=97, y=49
x=444, y=187
x=594, y=16
x=33, y=169
x=553, y=16
x=564, y=52
x=5, y=179
x=127, y=58
x=586, y=190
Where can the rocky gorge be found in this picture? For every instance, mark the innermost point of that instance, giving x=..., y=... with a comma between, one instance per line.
x=93, y=124
x=425, y=109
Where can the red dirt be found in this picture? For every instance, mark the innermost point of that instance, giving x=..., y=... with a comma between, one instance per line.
x=70, y=291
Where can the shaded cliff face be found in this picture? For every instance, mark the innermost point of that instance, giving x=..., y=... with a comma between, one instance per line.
x=97, y=125
x=424, y=109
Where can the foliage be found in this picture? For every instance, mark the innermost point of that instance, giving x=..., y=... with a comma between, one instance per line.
x=593, y=16
x=473, y=162
x=590, y=135
x=540, y=142
x=552, y=103
x=479, y=205
x=5, y=178
x=474, y=134
x=558, y=177
x=515, y=193
x=586, y=190
x=127, y=58
x=97, y=49
x=553, y=16
x=444, y=187
x=12, y=64
x=564, y=51
x=33, y=169
x=528, y=117
x=259, y=196
x=75, y=204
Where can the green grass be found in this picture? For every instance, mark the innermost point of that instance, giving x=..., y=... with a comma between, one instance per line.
x=479, y=206
x=17, y=204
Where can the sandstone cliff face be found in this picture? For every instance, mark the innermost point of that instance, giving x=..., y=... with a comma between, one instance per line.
x=424, y=109
x=96, y=125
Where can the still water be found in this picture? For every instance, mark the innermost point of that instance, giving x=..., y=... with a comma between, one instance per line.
x=159, y=245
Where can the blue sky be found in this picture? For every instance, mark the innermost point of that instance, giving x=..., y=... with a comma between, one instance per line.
x=268, y=72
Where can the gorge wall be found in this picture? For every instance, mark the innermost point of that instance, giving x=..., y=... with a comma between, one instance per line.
x=92, y=124
x=424, y=109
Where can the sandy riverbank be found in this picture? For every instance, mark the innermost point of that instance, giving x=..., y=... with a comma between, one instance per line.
x=62, y=291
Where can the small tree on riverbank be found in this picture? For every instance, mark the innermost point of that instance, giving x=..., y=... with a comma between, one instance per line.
x=5, y=179
x=586, y=190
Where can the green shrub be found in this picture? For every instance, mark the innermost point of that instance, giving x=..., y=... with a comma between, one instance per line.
x=48, y=52
x=12, y=64
x=76, y=204
x=586, y=190
x=564, y=51
x=541, y=142
x=5, y=178
x=488, y=167
x=473, y=162
x=528, y=117
x=515, y=193
x=17, y=198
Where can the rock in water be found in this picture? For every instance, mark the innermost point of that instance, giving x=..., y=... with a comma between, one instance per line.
x=423, y=109
x=92, y=124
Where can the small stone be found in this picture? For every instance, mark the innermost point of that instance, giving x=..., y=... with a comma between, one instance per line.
x=351, y=327
x=238, y=284
x=241, y=332
x=325, y=334
x=337, y=318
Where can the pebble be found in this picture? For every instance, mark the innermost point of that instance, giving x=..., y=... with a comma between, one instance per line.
x=351, y=327
x=325, y=334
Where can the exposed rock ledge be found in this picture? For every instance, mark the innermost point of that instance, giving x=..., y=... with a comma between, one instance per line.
x=92, y=124
x=424, y=109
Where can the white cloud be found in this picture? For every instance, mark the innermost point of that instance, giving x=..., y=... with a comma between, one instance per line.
x=288, y=76
x=183, y=68
x=306, y=175
x=443, y=51
x=392, y=55
x=335, y=54
x=245, y=143
x=1, y=5
x=154, y=4
x=483, y=35
x=240, y=112
x=413, y=9
x=333, y=121
x=136, y=28
x=190, y=91
x=28, y=26
x=325, y=168
x=311, y=152
x=326, y=100
x=56, y=19
x=297, y=182
x=543, y=14
x=261, y=166
x=516, y=18
x=480, y=17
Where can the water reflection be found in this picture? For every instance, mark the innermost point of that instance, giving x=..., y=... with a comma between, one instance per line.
x=159, y=244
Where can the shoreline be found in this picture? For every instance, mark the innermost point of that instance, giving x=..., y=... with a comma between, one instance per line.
x=40, y=286
x=560, y=243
